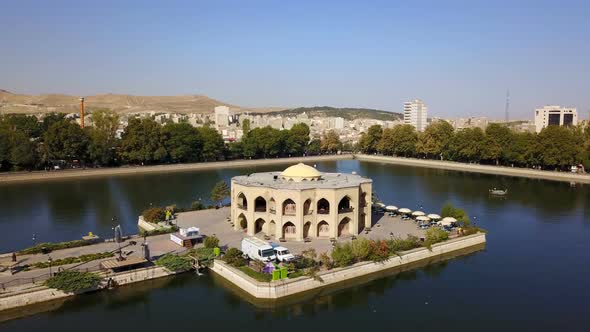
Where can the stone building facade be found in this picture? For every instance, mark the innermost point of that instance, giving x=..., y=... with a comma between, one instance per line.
x=300, y=203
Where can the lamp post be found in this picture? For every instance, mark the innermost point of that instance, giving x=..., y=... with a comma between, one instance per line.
x=50, y=261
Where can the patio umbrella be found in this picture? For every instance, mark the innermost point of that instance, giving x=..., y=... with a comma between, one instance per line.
x=391, y=208
x=433, y=216
x=404, y=210
x=381, y=205
x=447, y=221
x=422, y=218
x=418, y=213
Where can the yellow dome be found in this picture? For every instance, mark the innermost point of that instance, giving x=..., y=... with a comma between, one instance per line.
x=300, y=172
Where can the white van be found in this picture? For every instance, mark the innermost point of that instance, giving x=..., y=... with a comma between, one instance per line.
x=257, y=249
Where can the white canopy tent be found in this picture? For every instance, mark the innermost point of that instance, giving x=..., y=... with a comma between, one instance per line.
x=433, y=216
x=418, y=213
x=423, y=218
x=448, y=221
x=404, y=211
x=391, y=208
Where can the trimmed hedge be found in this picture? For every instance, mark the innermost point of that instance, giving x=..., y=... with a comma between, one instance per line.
x=175, y=263
x=154, y=215
x=72, y=281
x=50, y=246
x=72, y=260
x=264, y=277
x=158, y=231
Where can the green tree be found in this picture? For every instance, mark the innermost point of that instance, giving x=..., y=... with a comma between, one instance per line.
x=559, y=146
x=299, y=138
x=435, y=139
x=219, y=192
x=65, y=140
x=26, y=124
x=4, y=148
x=314, y=147
x=523, y=149
x=330, y=143
x=369, y=141
x=498, y=140
x=141, y=143
x=50, y=119
x=23, y=151
x=212, y=143
x=246, y=126
x=467, y=145
x=182, y=142
x=103, y=137
x=399, y=140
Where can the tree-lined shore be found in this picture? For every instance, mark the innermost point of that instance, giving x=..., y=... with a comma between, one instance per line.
x=29, y=144
x=554, y=147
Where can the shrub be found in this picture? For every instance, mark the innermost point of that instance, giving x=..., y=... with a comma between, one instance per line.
x=158, y=231
x=154, y=215
x=54, y=246
x=234, y=257
x=449, y=210
x=361, y=249
x=211, y=242
x=309, y=253
x=342, y=255
x=72, y=260
x=197, y=205
x=175, y=263
x=264, y=277
x=325, y=260
x=435, y=235
x=72, y=281
x=410, y=242
x=379, y=251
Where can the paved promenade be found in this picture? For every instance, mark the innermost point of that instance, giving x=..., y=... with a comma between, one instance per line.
x=210, y=222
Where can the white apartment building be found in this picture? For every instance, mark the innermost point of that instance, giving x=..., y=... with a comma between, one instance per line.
x=555, y=115
x=221, y=116
x=416, y=114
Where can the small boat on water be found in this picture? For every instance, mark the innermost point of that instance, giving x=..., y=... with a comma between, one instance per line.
x=498, y=192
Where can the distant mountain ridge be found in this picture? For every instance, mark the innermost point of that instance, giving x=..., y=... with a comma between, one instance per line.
x=348, y=113
x=184, y=104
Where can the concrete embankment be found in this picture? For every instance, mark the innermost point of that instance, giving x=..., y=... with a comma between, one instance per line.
x=98, y=172
x=38, y=294
x=286, y=288
x=475, y=168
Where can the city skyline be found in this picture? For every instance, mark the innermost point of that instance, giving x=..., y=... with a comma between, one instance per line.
x=460, y=59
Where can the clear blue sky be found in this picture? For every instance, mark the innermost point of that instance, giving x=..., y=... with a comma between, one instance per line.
x=458, y=56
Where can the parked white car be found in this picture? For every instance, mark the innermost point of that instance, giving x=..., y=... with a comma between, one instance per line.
x=283, y=254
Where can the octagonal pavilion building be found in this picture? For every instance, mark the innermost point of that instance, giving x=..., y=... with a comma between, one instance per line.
x=301, y=203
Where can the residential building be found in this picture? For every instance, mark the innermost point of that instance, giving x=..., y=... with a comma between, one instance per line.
x=221, y=116
x=416, y=114
x=555, y=115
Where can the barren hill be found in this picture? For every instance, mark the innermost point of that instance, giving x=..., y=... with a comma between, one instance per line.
x=18, y=103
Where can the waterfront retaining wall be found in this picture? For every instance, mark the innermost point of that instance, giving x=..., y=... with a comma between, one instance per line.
x=42, y=293
x=476, y=168
x=284, y=288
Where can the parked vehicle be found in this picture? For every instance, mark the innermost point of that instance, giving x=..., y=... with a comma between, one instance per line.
x=257, y=249
x=283, y=254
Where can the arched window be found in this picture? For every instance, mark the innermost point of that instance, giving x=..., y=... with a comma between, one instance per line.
x=260, y=204
x=344, y=205
x=323, y=229
x=242, y=201
x=289, y=207
x=344, y=227
x=289, y=230
x=323, y=206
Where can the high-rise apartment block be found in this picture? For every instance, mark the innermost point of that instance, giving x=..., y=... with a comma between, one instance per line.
x=416, y=114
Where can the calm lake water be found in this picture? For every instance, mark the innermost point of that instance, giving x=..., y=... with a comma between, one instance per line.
x=533, y=274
